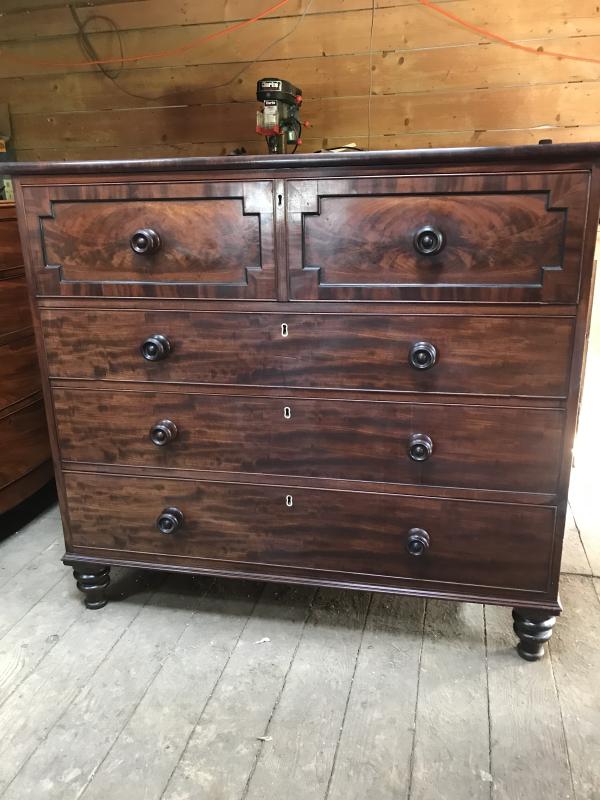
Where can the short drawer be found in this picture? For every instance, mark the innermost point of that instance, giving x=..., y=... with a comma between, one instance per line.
x=225, y=525
x=495, y=355
x=25, y=442
x=475, y=447
x=486, y=237
x=180, y=239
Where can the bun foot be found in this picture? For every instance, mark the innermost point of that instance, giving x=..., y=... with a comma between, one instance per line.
x=93, y=581
x=533, y=629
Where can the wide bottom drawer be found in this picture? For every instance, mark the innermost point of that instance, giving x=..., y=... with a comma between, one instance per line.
x=312, y=530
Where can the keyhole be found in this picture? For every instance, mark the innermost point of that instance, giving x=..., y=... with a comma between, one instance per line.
x=284, y=329
x=289, y=500
x=279, y=199
x=287, y=412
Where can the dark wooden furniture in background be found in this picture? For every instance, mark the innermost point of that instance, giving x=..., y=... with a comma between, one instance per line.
x=357, y=370
x=25, y=464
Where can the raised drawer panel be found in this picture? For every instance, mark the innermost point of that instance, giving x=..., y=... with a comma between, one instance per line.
x=361, y=534
x=514, y=356
x=514, y=449
x=495, y=237
x=185, y=239
x=25, y=442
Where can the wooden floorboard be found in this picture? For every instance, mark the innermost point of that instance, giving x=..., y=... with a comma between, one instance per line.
x=102, y=708
x=19, y=595
x=574, y=556
x=378, y=729
x=185, y=689
x=575, y=658
x=297, y=758
x=169, y=711
x=241, y=705
x=586, y=510
x=29, y=715
x=451, y=749
x=19, y=549
x=27, y=643
x=529, y=756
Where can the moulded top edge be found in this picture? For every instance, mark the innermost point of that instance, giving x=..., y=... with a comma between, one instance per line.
x=585, y=152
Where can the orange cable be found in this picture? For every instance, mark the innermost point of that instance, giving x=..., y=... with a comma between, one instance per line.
x=158, y=54
x=496, y=37
x=243, y=23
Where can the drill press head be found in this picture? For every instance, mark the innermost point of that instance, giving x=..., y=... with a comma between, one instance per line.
x=278, y=117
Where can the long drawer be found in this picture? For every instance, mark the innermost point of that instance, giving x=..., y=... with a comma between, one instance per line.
x=508, y=356
x=464, y=446
x=313, y=531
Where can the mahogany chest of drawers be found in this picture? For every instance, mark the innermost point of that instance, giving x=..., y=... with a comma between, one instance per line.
x=25, y=465
x=357, y=370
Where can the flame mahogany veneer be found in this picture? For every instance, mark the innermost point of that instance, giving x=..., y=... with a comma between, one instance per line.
x=359, y=370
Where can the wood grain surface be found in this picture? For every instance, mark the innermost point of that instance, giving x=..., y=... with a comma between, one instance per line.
x=362, y=534
x=503, y=237
x=477, y=355
x=25, y=466
x=515, y=449
x=215, y=239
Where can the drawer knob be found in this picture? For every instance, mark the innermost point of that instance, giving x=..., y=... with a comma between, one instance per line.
x=156, y=347
x=169, y=521
x=422, y=355
x=428, y=240
x=163, y=432
x=145, y=241
x=420, y=447
x=417, y=543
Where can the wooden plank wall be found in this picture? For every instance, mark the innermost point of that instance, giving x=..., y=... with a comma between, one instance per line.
x=381, y=73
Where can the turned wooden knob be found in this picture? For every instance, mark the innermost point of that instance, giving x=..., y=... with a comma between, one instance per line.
x=163, y=432
x=145, y=241
x=428, y=240
x=156, y=347
x=420, y=447
x=417, y=543
x=169, y=521
x=422, y=355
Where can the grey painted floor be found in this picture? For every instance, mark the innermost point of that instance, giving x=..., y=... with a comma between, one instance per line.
x=194, y=688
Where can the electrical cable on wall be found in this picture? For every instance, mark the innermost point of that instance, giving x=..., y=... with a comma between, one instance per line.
x=486, y=34
x=501, y=39
x=150, y=56
x=113, y=75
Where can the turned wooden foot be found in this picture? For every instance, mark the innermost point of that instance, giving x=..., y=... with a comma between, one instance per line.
x=93, y=581
x=533, y=629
